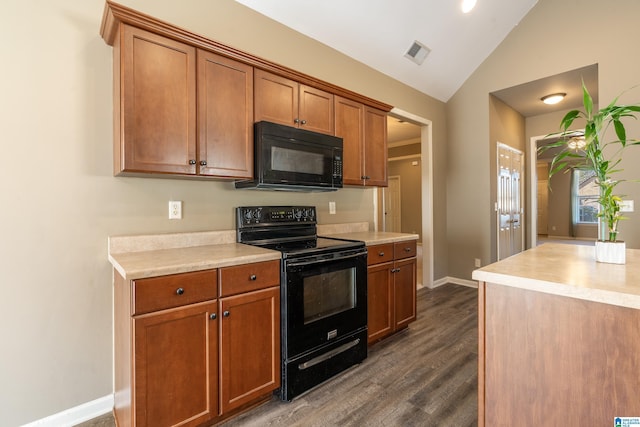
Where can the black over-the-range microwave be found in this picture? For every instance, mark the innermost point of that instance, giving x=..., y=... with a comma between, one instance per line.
x=292, y=159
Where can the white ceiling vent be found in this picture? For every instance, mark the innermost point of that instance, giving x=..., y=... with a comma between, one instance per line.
x=417, y=52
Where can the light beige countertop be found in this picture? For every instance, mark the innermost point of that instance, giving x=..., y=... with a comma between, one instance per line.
x=140, y=256
x=373, y=237
x=137, y=257
x=571, y=271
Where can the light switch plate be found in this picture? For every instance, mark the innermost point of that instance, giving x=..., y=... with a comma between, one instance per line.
x=332, y=208
x=626, y=206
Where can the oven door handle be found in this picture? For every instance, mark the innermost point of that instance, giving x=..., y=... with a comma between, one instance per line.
x=307, y=261
x=328, y=355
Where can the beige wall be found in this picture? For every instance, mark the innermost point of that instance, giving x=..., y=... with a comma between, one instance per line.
x=55, y=170
x=538, y=47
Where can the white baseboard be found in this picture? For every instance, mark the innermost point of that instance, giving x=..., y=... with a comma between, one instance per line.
x=455, y=281
x=76, y=415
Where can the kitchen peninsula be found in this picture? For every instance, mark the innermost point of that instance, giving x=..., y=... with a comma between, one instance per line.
x=559, y=338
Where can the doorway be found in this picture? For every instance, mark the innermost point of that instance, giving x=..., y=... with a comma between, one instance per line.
x=424, y=166
x=392, y=206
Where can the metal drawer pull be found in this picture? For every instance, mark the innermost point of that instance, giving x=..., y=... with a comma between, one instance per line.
x=407, y=249
x=213, y=316
x=226, y=313
x=252, y=277
x=328, y=355
x=381, y=253
x=192, y=162
x=179, y=291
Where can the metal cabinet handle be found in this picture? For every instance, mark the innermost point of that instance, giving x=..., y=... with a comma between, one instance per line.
x=296, y=120
x=380, y=253
x=203, y=163
x=226, y=313
x=253, y=277
x=192, y=162
x=179, y=291
x=365, y=177
x=407, y=249
x=395, y=270
x=304, y=122
x=213, y=316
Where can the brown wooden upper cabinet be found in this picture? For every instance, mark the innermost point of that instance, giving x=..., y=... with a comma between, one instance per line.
x=364, y=132
x=180, y=110
x=287, y=102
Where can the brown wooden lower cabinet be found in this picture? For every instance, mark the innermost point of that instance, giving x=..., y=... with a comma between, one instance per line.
x=198, y=347
x=551, y=360
x=250, y=347
x=176, y=366
x=391, y=288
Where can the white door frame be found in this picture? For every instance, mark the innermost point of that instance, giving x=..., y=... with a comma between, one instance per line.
x=427, y=191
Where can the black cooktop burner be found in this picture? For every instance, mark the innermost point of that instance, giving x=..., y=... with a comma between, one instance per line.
x=318, y=245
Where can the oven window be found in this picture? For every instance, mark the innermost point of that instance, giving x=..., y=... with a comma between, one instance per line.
x=329, y=293
x=288, y=160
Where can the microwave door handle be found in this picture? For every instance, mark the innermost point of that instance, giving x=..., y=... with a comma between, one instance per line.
x=320, y=261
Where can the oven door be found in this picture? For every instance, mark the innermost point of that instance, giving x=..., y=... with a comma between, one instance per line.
x=324, y=299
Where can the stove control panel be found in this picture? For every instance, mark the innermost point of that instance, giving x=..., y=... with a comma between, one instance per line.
x=264, y=215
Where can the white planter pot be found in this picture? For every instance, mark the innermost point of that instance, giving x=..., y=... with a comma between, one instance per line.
x=610, y=252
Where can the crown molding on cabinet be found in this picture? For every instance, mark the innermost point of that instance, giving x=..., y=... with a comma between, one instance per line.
x=115, y=13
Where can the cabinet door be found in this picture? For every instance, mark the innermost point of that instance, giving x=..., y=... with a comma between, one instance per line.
x=249, y=346
x=176, y=366
x=375, y=147
x=349, y=123
x=404, y=279
x=225, y=117
x=380, y=301
x=276, y=98
x=316, y=110
x=158, y=101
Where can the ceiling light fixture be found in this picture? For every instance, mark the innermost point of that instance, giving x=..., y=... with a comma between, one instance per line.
x=577, y=143
x=554, y=98
x=468, y=5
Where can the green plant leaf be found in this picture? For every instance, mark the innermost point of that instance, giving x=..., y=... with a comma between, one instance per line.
x=621, y=132
x=587, y=101
x=568, y=119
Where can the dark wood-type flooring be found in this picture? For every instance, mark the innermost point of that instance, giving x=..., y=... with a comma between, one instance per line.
x=425, y=376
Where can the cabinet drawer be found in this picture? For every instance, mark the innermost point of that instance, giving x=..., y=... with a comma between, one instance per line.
x=159, y=293
x=379, y=253
x=404, y=249
x=249, y=277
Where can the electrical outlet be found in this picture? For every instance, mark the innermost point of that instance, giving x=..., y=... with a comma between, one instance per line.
x=175, y=209
x=626, y=205
x=332, y=208
x=478, y=263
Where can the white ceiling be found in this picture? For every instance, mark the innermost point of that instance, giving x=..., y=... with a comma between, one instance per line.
x=378, y=33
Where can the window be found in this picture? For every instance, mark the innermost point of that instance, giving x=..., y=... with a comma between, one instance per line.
x=585, y=197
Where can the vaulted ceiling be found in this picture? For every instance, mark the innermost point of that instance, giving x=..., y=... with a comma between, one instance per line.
x=378, y=33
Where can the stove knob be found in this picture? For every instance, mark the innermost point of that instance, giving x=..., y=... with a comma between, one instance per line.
x=297, y=213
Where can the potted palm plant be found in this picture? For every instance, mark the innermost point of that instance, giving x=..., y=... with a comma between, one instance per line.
x=591, y=152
